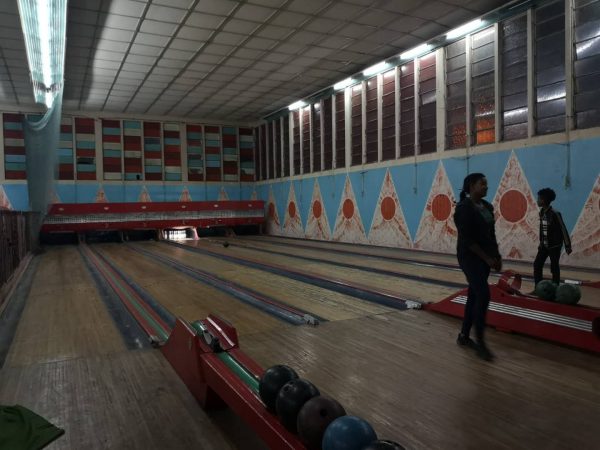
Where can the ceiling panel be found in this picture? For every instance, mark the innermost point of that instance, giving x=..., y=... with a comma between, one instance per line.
x=226, y=58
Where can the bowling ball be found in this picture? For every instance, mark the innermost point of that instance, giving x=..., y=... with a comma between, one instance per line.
x=291, y=399
x=569, y=294
x=383, y=445
x=545, y=290
x=348, y=433
x=314, y=417
x=272, y=381
x=225, y=244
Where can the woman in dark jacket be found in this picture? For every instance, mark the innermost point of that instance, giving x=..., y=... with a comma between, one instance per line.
x=477, y=252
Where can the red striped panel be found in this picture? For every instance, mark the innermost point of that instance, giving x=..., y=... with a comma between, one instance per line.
x=13, y=117
x=152, y=129
x=66, y=129
x=194, y=128
x=154, y=176
x=245, y=131
x=112, y=160
x=152, y=155
x=133, y=143
x=111, y=138
x=85, y=126
x=87, y=152
x=195, y=177
x=86, y=175
x=111, y=123
x=14, y=150
x=171, y=134
x=173, y=161
x=172, y=149
x=230, y=169
x=13, y=134
x=213, y=150
x=15, y=175
x=210, y=129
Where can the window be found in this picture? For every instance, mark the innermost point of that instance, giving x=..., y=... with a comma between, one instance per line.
x=285, y=158
x=340, y=131
x=388, y=116
x=456, y=95
x=316, y=136
x=550, y=67
x=427, y=110
x=407, y=110
x=306, y=139
x=356, y=109
x=327, y=134
x=514, y=78
x=482, y=87
x=296, y=123
x=371, y=127
x=587, y=63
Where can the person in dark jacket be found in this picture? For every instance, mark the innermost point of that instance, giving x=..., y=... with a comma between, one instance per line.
x=477, y=253
x=553, y=234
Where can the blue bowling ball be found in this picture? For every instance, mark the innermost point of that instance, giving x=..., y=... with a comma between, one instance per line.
x=348, y=433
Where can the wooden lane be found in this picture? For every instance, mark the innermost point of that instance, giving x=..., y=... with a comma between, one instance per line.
x=404, y=373
x=360, y=261
x=409, y=289
x=68, y=363
x=419, y=255
x=64, y=316
x=125, y=400
x=185, y=297
x=318, y=301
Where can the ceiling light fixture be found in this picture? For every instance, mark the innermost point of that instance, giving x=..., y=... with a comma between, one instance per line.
x=44, y=24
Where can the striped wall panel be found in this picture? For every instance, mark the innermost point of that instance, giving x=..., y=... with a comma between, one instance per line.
x=85, y=148
x=247, y=167
x=230, y=154
x=132, y=148
x=212, y=142
x=66, y=157
x=14, y=147
x=195, y=152
x=152, y=151
x=112, y=149
x=172, y=147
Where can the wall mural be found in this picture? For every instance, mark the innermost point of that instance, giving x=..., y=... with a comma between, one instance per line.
x=317, y=225
x=388, y=223
x=517, y=217
x=292, y=224
x=273, y=225
x=348, y=224
x=185, y=195
x=437, y=231
x=4, y=201
x=586, y=234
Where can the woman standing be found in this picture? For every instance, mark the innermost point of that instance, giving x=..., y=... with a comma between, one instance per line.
x=477, y=252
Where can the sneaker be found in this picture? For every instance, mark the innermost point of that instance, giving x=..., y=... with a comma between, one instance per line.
x=484, y=352
x=465, y=341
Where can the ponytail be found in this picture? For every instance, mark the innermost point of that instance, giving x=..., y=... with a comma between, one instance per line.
x=469, y=180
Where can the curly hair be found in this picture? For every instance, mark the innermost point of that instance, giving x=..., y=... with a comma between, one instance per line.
x=547, y=194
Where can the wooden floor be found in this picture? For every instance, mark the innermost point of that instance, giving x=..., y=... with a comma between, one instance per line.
x=400, y=370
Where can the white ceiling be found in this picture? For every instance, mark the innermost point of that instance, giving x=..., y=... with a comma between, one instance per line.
x=225, y=60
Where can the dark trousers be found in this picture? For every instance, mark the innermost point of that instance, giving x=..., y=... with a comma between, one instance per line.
x=540, y=260
x=478, y=299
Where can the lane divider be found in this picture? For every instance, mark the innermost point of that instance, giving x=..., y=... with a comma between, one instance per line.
x=378, y=296
x=266, y=304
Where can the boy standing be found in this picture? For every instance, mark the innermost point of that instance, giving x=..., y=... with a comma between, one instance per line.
x=553, y=234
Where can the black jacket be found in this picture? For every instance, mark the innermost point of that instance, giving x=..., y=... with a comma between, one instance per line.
x=557, y=232
x=472, y=228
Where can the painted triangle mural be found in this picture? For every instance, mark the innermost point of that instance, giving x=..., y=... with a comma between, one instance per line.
x=223, y=195
x=4, y=200
x=389, y=226
x=55, y=198
x=585, y=238
x=101, y=196
x=348, y=223
x=317, y=225
x=144, y=196
x=185, y=195
x=254, y=195
x=517, y=218
x=273, y=224
x=437, y=231
x=292, y=224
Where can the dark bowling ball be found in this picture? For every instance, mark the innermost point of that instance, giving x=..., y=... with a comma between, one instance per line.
x=314, y=417
x=272, y=381
x=383, y=445
x=225, y=244
x=348, y=433
x=291, y=399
